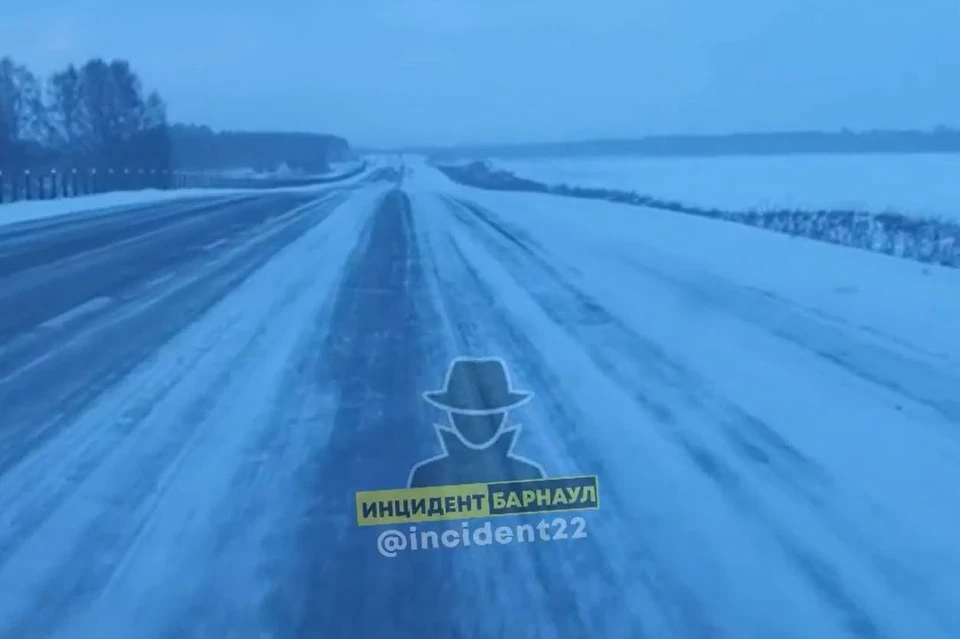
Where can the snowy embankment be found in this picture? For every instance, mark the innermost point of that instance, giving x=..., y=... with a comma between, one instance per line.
x=24, y=211
x=920, y=220
x=913, y=305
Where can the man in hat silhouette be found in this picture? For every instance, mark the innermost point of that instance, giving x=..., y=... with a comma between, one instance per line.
x=478, y=448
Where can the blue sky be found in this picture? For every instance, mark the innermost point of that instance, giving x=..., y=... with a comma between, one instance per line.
x=387, y=72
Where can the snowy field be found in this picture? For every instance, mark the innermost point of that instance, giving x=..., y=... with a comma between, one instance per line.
x=911, y=302
x=919, y=185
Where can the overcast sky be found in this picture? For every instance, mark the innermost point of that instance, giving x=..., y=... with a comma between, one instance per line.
x=386, y=72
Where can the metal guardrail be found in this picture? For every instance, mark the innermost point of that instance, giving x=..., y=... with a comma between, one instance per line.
x=26, y=184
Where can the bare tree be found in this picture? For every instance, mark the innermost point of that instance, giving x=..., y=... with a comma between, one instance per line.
x=21, y=112
x=69, y=125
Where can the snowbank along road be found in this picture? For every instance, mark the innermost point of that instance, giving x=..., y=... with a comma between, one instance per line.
x=192, y=393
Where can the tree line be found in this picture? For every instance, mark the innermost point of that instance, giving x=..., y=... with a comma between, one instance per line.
x=199, y=148
x=94, y=128
x=942, y=139
x=96, y=116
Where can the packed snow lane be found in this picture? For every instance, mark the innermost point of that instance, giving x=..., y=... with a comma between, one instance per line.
x=48, y=270
x=79, y=321
x=772, y=469
x=45, y=240
x=135, y=511
x=769, y=465
x=384, y=343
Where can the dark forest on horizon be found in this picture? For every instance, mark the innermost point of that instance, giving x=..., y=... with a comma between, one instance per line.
x=939, y=140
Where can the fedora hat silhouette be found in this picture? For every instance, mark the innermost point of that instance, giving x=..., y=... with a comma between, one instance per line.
x=477, y=386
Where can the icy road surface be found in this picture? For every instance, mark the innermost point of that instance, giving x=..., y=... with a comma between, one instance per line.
x=191, y=395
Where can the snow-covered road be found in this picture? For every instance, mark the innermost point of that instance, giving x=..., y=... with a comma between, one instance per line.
x=190, y=398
